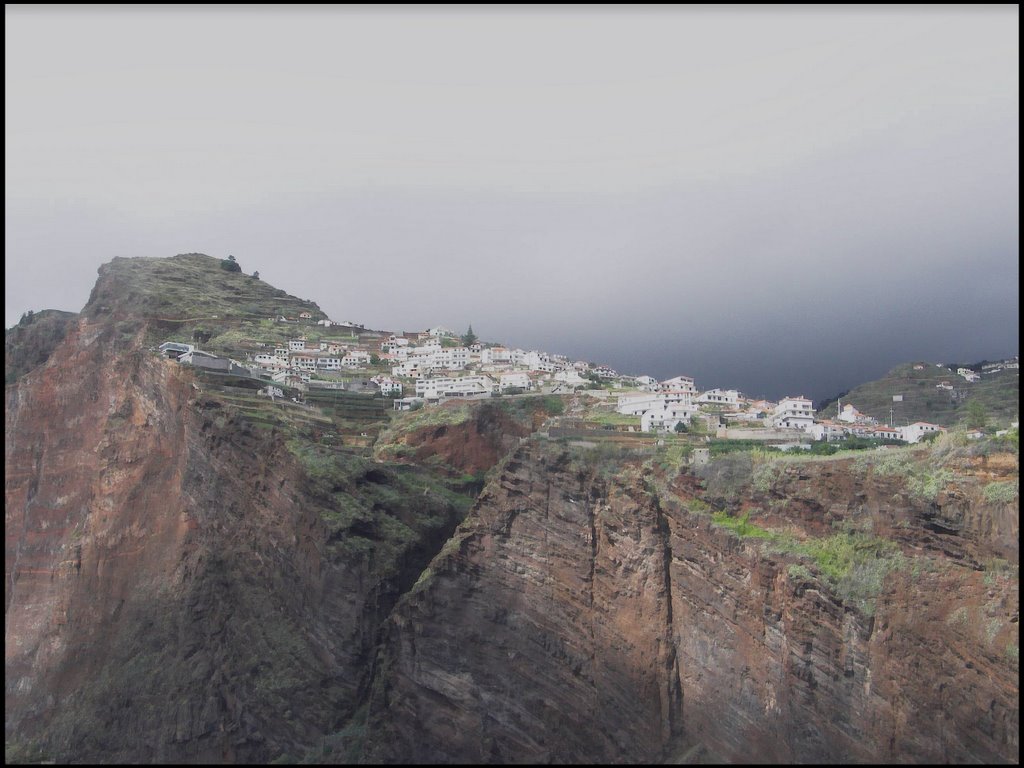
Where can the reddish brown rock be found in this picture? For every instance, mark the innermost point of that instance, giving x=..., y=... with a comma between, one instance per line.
x=177, y=587
x=575, y=618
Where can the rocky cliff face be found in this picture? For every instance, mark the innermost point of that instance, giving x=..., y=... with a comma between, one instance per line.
x=180, y=584
x=30, y=343
x=579, y=617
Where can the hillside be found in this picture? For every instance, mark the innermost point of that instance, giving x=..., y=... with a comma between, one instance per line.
x=998, y=393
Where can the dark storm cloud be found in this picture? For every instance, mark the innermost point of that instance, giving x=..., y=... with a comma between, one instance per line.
x=782, y=204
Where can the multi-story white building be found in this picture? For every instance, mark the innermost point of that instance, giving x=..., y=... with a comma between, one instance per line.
x=451, y=358
x=328, y=363
x=297, y=345
x=490, y=355
x=794, y=413
x=355, y=358
x=270, y=362
x=303, y=362
x=462, y=386
x=538, y=361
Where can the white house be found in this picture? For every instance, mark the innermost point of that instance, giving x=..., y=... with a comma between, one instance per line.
x=794, y=413
x=516, y=379
x=437, y=387
x=647, y=383
x=666, y=418
x=270, y=362
x=636, y=403
x=719, y=397
x=303, y=362
x=825, y=430
x=678, y=384
x=452, y=358
x=490, y=355
x=407, y=403
x=356, y=358
x=174, y=350
x=968, y=374
x=883, y=432
x=570, y=378
x=538, y=361
x=851, y=415
x=297, y=345
x=392, y=343
x=412, y=369
x=388, y=386
x=913, y=433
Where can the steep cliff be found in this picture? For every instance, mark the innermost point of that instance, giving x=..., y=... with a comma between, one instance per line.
x=183, y=583
x=814, y=611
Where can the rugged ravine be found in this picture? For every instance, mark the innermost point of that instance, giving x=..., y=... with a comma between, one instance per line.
x=531, y=639
x=674, y=638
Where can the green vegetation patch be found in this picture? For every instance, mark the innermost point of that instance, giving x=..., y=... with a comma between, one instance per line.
x=1001, y=493
x=922, y=478
x=854, y=564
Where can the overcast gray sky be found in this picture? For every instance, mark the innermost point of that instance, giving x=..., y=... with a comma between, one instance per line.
x=778, y=200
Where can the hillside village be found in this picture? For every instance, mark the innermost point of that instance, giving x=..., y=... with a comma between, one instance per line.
x=422, y=369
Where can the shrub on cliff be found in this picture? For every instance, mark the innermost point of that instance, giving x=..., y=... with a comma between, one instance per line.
x=1001, y=493
x=230, y=265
